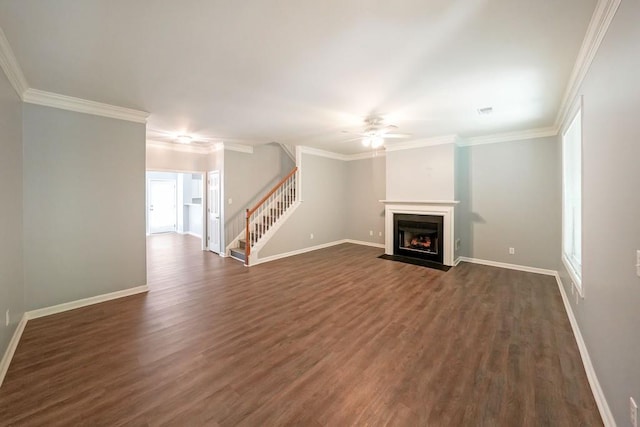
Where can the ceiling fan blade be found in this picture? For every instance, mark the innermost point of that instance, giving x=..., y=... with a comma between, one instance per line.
x=386, y=129
x=397, y=135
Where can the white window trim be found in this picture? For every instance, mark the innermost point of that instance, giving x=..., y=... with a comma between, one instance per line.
x=573, y=274
x=575, y=278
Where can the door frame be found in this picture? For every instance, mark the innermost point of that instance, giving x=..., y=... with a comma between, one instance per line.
x=205, y=197
x=223, y=251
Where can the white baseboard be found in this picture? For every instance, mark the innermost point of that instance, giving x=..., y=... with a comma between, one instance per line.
x=509, y=266
x=41, y=312
x=297, y=252
x=363, y=243
x=598, y=394
x=457, y=261
x=11, y=349
x=189, y=233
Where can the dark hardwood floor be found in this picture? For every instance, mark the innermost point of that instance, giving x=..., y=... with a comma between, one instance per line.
x=333, y=337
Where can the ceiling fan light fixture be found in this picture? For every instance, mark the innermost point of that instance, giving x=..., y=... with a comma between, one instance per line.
x=366, y=141
x=377, y=141
x=184, y=139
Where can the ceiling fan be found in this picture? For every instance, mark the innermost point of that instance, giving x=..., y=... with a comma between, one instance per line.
x=375, y=132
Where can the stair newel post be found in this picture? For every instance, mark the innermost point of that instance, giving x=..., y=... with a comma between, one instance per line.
x=248, y=239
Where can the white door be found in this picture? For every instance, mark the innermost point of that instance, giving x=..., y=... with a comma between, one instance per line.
x=213, y=212
x=162, y=206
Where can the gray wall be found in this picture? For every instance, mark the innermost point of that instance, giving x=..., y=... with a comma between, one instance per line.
x=609, y=315
x=425, y=173
x=510, y=197
x=365, y=187
x=322, y=211
x=247, y=178
x=84, y=202
x=461, y=194
x=11, y=266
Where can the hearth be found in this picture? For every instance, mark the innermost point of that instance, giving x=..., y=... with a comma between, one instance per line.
x=418, y=236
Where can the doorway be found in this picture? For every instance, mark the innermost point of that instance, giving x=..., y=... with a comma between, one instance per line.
x=181, y=194
x=162, y=206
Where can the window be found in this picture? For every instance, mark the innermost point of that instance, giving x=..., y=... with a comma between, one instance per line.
x=572, y=199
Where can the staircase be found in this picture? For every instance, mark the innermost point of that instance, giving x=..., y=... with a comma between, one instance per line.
x=263, y=218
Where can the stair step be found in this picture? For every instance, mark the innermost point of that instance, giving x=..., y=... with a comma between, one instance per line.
x=238, y=254
x=242, y=244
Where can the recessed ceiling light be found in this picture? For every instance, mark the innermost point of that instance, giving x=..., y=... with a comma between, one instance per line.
x=184, y=139
x=485, y=110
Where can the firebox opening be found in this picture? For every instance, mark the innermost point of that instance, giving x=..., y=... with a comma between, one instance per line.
x=418, y=236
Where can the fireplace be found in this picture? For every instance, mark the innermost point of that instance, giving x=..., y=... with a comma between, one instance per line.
x=427, y=227
x=418, y=236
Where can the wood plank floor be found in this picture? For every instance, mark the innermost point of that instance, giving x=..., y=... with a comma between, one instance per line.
x=333, y=337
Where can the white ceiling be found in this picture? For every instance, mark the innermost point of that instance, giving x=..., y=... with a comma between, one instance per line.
x=301, y=71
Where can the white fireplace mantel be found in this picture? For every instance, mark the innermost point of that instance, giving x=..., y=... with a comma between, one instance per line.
x=444, y=208
x=420, y=202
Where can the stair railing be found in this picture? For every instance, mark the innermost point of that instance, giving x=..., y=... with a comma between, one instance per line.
x=268, y=209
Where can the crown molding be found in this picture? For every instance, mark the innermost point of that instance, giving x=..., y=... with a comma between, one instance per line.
x=10, y=66
x=597, y=29
x=49, y=99
x=240, y=148
x=183, y=148
x=200, y=149
x=365, y=156
x=428, y=142
x=509, y=136
x=323, y=153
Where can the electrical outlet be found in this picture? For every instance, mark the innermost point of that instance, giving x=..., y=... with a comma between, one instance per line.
x=512, y=251
x=633, y=412
x=379, y=233
x=370, y=232
x=638, y=262
x=311, y=236
x=458, y=242
x=7, y=318
x=230, y=200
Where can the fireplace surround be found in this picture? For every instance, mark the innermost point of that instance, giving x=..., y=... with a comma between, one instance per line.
x=412, y=212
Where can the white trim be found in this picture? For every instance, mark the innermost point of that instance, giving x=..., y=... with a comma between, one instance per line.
x=297, y=252
x=240, y=148
x=322, y=153
x=176, y=171
x=11, y=67
x=509, y=266
x=363, y=243
x=190, y=233
x=446, y=211
x=427, y=142
x=41, y=312
x=600, y=20
x=456, y=262
x=421, y=202
x=184, y=148
x=509, y=136
x=366, y=155
x=11, y=348
x=64, y=102
x=596, y=389
x=576, y=282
